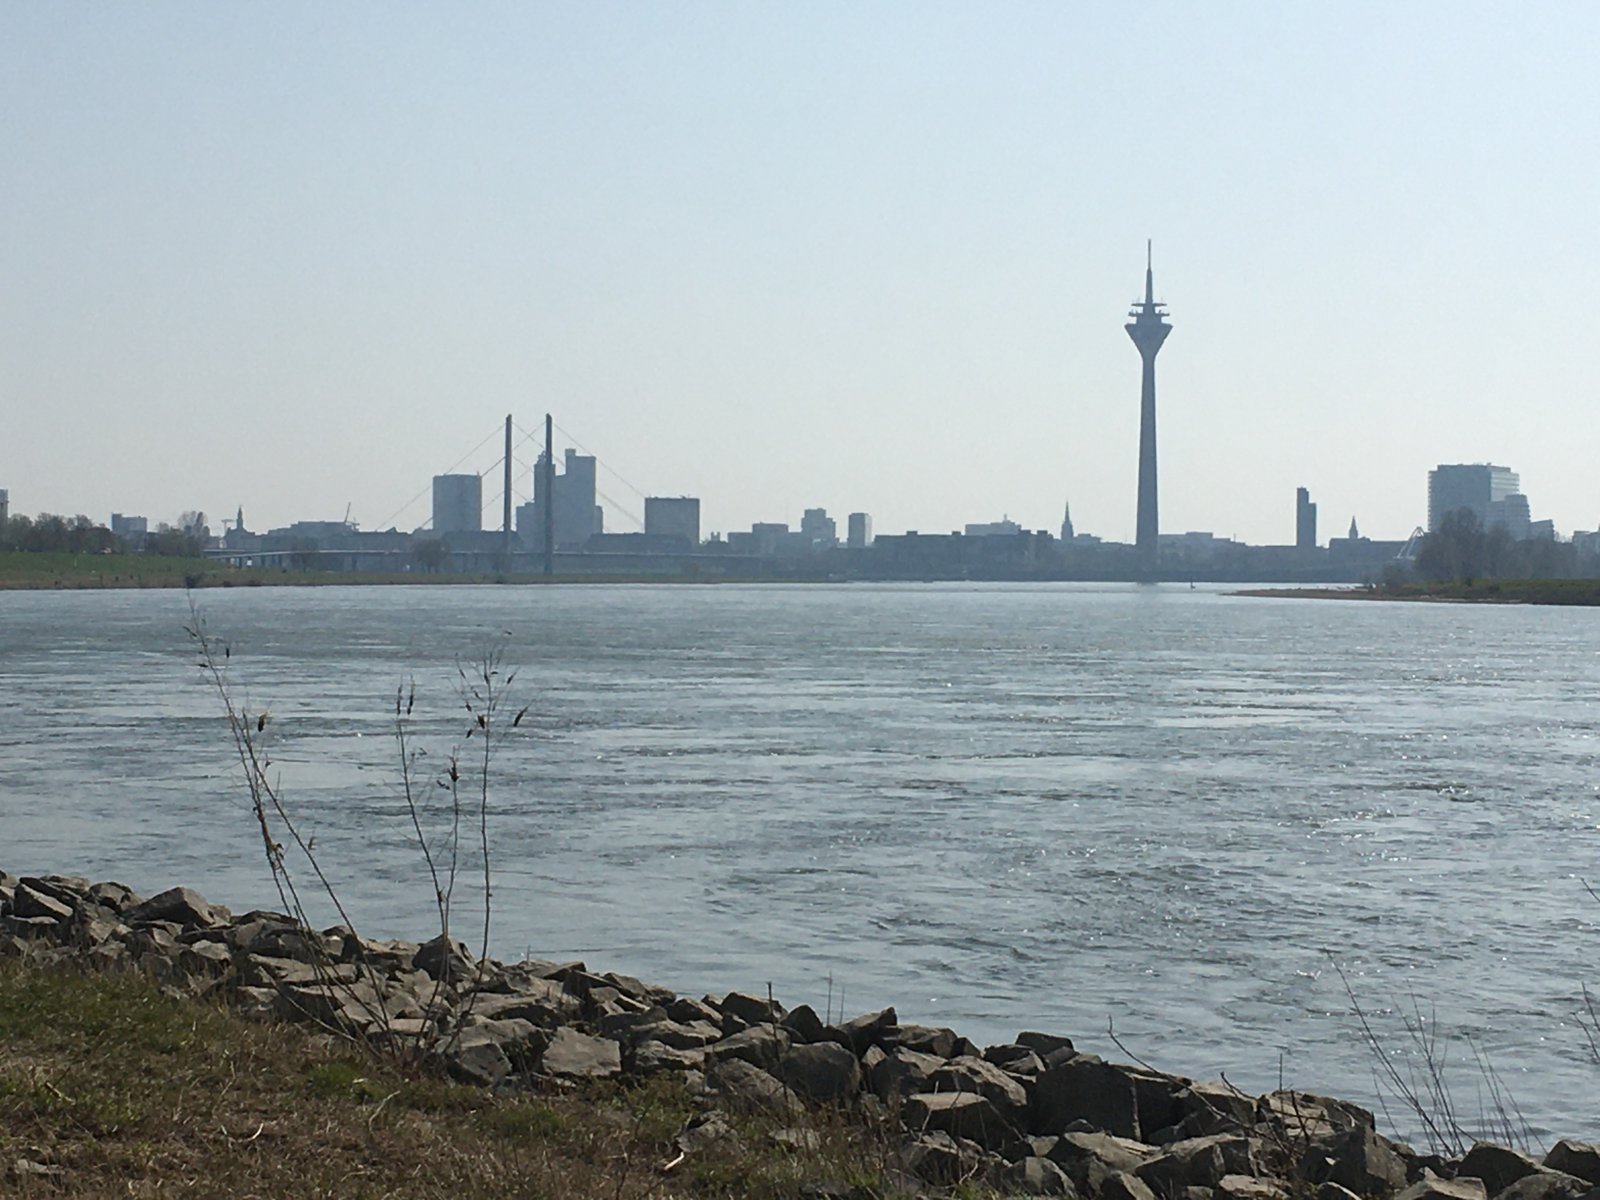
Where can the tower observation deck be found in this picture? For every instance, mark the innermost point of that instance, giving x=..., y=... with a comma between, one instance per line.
x=1149, y=330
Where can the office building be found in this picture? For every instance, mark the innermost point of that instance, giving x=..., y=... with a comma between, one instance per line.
x=5, y=505
x=1148, y=329
x=1305, y=520
x=858, y=531
x=1472, y=486
x=1067, y=531
x=130, y=529
x=819, y=528
x=574, y=513
x=673, y=517
x=457, y=504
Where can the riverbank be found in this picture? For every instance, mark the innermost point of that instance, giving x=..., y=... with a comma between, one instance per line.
x=1578, y=592
x=146, y=1042
x=77, y=572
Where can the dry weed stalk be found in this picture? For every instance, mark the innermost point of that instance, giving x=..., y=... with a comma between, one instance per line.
x=482, y=687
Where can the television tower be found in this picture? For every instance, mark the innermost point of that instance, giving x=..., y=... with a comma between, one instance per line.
x=1148, y=329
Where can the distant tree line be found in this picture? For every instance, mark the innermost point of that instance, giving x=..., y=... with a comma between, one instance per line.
x=79, y=535
x=1461, y=549
x=47, y=531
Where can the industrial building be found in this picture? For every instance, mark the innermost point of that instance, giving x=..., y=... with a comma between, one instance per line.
x=673, y=517
x=457, y=504
x=575, y=516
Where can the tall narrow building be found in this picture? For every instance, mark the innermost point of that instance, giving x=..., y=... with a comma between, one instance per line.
x=1148, y=329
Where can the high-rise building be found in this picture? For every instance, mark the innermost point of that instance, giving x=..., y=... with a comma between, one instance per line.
x=858, y=531
x=5, y=505
x=1472, y=486
x=819, y=527
x=1149, y=330
x=673, y=516
x=577, y=517
x=1305, y=520
x=457, y=504
x=1067, y=531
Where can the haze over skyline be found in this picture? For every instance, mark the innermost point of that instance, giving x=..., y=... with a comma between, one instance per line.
x=866, y=257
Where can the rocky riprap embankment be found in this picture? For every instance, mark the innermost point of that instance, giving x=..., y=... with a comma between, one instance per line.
x=1033, y=1116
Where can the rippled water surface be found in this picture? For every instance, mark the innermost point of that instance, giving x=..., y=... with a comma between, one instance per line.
x=996, y=807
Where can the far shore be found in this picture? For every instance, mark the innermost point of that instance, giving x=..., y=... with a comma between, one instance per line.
x=1583, y=593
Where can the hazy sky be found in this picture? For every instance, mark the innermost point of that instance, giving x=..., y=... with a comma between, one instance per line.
x=865, y=256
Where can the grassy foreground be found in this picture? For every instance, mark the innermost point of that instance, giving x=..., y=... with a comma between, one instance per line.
x=109, y=1088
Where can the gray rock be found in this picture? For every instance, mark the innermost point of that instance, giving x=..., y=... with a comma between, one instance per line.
x=860, y=1032
x=441, y=958
x=34, y=928
x=1431, y=1187
x=1545, y=1184
x=522, y=1041
x=652, y=1058
x=547, y=1007
x=634, y=989
x=1043, y=1044
x=1357, y=1159
x=1303, y=1115
x=1575, y=1158
x=936, y=1157
x=751, y=1010
x=205, y=960
x=823, y=1072
x=969, y=1074
x=181, y=905
x=1034, y=1176
x=924, y=1039
x=1092, y=1158
x=1198, y=1162
x=747, y=1086
x=1248, y=1187
x=761, y=1046
x=680, y=1037
x=686, y=1012
x=577, y=1055
x=1498, y=1166
x=1086, y=1089
x=804, y=1025
x=477, y=1060
x=1333, y=1191
x=901, y=1073
x=114, y=896
x=30, y=901
x=961, y=1114
x=1123, y=1186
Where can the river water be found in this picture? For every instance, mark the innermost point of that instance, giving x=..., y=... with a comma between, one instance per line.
x=995, y=806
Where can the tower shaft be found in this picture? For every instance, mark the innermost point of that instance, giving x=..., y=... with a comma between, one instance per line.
x=1148, y=329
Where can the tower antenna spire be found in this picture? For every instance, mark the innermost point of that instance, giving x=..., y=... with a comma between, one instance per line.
x=1149, y=273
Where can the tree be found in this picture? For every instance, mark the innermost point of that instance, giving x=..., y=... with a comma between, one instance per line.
x=1455, y=550
x=430, y=554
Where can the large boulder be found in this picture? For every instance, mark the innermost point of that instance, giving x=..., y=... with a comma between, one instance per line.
x=183, y=906
x=761, y=1046
x=574, y=1055
x=1431, y=1187
x=1198, y=1162
x=866, y=1030
x=1035, y=1176
x=1358, y=1159
x=1498, y=1166
x=961, y=1114
x=1575, y=1158
x=1093, y=1158
x=1086, y=1089
x=900, y=1073
x=968, y=1074
x=747, y=1010
x=744, y=1085
x=823, y=1072
x=32, y=901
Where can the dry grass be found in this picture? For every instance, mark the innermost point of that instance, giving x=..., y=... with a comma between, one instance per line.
x=114, y=1089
